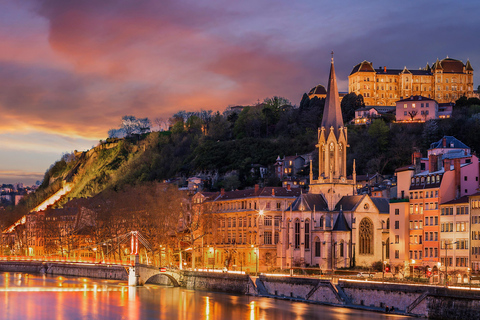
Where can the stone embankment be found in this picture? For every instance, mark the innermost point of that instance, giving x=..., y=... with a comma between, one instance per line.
x=74, y=270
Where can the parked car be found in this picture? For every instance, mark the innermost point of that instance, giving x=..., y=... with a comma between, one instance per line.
x=364, y=275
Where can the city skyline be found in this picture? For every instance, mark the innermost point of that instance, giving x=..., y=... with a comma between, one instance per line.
x=70, y=70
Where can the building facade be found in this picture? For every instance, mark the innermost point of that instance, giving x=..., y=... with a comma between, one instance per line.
x=416, y=108
x=446, y=81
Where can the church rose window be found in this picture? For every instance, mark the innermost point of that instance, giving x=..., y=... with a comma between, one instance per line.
x=366, y=236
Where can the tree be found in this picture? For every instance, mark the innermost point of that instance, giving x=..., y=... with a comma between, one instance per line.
x=349, y=104
x=412, y=114
x=130, y=126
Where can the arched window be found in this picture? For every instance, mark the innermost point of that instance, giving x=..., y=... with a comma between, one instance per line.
x=307, y=234
x=366, y=236
x=317, y=247
x=341, y=249
x=388, y=223
x=297, y=234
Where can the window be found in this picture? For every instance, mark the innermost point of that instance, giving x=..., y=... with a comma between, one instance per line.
x=267, y=237
x=397, y=238
x=366, y=236
x=297, y=234
x=397, y=212
x=397, y=254
x=268, y=220
x=317, y=247
x=307, y=234
x=277, y=237
x=397, y=224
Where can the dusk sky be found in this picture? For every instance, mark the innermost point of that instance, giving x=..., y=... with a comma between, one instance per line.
x=69, y=70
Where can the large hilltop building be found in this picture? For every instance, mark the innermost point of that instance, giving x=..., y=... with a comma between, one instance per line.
x=446, y=81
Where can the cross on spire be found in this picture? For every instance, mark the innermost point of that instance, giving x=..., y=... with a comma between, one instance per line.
x=332, y=56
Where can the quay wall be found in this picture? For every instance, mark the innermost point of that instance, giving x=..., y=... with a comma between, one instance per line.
x=224, y=282
x=90, y=271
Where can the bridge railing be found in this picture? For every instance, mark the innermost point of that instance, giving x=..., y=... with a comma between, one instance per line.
x=60, y=259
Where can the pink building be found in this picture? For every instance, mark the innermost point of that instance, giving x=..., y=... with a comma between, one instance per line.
x=451, y=173
x=416, y=108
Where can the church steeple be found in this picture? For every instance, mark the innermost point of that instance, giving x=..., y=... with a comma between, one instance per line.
x=332, y=112
x=332, y=146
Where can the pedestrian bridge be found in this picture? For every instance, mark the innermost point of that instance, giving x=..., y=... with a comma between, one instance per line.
x=136, y=273
x=139, y=274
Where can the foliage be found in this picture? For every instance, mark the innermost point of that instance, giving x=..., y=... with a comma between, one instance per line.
x=130, y=126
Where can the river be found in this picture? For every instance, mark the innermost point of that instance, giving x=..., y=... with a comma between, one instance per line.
x=33, y=296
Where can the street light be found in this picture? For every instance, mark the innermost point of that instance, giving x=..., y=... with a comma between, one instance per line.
x=445, y=261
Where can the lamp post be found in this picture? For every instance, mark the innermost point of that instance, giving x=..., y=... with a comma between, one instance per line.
x=383, y=260
x=291, y=260
x=445, y=261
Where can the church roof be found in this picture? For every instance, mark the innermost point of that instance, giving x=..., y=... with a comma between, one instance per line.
x=341, y=223
x=382, y=204
x=309, y=202
x=332, y=112
x=348, y=203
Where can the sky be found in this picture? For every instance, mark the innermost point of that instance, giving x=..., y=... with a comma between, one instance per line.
x=69, y=69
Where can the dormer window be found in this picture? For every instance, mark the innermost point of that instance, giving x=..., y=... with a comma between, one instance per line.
x=438, y=179
x=428, y=179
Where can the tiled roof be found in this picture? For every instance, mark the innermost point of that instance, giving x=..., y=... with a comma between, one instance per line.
x=463, y=199
x=348, y=203
x=309, y=202
x=319, y=89
x=415, y=98
x=457, y=144
x=382, y=204
x=363, y=66
x=262, y=192
x=450, y=65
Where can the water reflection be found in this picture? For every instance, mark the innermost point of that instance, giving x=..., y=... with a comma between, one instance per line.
x=24, y=296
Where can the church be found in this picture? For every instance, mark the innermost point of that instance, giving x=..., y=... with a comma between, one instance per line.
x=331, y=226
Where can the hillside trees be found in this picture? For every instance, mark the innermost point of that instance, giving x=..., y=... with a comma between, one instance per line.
x=130, y=126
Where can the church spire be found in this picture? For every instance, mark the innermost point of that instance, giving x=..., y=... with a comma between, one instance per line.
x=332, y=113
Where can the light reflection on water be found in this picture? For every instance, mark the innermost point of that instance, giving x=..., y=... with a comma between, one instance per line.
x=27, y=296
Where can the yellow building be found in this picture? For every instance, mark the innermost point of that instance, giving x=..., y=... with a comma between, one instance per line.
x=446, y=81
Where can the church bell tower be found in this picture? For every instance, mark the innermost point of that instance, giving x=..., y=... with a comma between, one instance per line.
x=332, y=150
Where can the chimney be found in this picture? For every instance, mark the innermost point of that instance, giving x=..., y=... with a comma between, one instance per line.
x=456, y=167
x=446, y=165
x=385, y=69
x=256, y=188
x=416, y=160
x=416, y=155
x=289, y=187
x=432, y=163
x=222, y=192
x=273, y=192
x=444, y=142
